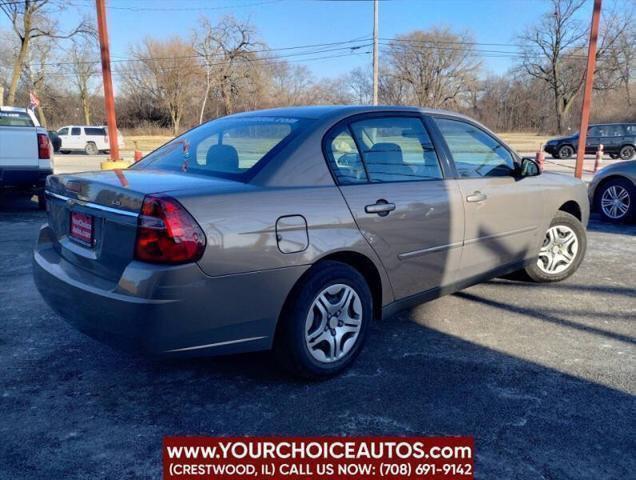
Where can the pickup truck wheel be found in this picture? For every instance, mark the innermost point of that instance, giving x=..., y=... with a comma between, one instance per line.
x=615, y=200
x=324, y=326
x=562, y=251
x=565, y=152
x=91, y=149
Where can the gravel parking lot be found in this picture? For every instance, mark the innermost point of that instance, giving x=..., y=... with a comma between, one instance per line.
x=542, y=376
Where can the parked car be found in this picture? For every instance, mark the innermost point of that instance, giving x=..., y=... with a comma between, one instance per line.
x=55, y=140
x=293, y=228
x=618, y=139
x=25, y=152
x=90, y=139
x=612, y=192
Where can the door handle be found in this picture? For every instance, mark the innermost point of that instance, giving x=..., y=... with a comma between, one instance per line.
x=381, y=207
x=476, y=197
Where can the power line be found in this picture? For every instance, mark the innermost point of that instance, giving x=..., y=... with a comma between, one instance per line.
x=259, y=61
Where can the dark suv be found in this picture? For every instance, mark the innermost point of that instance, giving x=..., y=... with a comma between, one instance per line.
x=618, y=140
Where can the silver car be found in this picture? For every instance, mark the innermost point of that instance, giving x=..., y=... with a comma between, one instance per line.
x=294, y=228
x=613, y=192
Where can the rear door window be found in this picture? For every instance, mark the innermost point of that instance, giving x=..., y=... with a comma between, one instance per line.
x=76, y=131
x=396, y=149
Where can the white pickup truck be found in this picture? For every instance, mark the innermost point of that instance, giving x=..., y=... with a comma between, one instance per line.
x=25, y=152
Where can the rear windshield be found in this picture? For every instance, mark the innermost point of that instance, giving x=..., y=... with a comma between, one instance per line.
x=229, y=147
x=15, y=119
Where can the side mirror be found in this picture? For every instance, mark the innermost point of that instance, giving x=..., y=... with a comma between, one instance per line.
x=529, y=168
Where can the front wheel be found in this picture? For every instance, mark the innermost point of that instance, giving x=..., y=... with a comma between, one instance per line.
x=565, y=152
x=562, y=251
x=323, y=328
x=615, y=200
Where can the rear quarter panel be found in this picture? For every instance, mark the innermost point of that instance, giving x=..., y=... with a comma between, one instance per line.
x=241, y=229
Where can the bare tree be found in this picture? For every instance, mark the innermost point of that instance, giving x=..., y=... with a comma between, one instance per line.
x=437, y=65
x=361, y=85
x=289, y=84
x=37, y=71
x=83, y=59
x=165, y=72
x=235, y=41
x=554, y=51
x=30, y=20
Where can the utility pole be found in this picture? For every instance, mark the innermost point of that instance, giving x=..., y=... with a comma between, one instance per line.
x=587, y=94
x=375, y=52
x=109, y=100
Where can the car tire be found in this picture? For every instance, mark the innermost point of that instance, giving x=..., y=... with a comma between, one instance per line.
x=562, y=251
x=565, y=152
x=615, y=199
x=613, y=156
x=325, y=322
x=91, y=149
x=627, y=152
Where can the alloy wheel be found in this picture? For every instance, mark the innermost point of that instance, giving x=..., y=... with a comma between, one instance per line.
x=559, y=250
x=333, y=323
x=566, y=152
x=627, y=153
x=615, y=202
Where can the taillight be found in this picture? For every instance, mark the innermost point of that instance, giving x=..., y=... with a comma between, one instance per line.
x=44, y=149
x=167, y=233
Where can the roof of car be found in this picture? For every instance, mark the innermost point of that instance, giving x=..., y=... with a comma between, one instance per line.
x=328, y=111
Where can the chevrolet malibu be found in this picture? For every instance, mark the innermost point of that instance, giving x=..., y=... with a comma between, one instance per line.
x=295, y=228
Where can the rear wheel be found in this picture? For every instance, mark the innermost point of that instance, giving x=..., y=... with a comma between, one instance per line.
x=324, y=327
x=615, y=200
x=566, y=151
x=91, y=149
x=562, y=251
x=627, y=152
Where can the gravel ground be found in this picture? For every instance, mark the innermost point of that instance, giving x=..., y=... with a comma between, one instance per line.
x=542, y=376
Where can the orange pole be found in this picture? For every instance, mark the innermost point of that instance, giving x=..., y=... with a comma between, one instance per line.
x=587, y=94
x=109, y=99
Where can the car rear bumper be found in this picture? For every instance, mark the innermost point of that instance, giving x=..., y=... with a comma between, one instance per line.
x=165, y=310
x=24, y=177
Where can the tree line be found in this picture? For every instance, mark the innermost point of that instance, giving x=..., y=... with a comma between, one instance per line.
x=224, y=67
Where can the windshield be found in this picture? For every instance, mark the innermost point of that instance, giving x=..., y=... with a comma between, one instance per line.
x=229, y=147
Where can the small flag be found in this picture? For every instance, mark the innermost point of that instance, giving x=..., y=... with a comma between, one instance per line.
x=34, y=101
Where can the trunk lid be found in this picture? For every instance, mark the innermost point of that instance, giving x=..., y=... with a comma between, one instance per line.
x=112, y=201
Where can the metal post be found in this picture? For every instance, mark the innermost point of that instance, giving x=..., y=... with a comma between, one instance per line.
x=109, y=101
x=587, y=94
x=375, y=52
